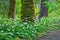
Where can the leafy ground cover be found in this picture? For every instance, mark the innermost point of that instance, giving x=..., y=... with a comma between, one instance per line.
x=15, y=29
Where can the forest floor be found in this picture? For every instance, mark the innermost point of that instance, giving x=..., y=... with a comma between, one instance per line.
x=53, y=35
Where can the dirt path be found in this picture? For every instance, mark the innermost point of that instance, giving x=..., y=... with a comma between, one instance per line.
x=53, y=35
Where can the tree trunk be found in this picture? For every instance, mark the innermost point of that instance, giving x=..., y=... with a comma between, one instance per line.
x=11, y=13
x=28, y=11
x=43, y=9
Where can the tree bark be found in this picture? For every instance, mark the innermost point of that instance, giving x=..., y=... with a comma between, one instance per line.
x=43, y=9
x=11, y=13
x=28, y=11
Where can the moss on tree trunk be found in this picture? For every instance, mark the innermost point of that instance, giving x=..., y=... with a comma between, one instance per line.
x=28, y=11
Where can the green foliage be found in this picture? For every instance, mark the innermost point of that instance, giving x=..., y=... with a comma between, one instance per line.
x=10, y=29
x=4, y=6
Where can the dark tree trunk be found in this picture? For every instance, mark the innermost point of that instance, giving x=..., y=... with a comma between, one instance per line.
x=28, y=11
x=11, y=13
x=43, y=9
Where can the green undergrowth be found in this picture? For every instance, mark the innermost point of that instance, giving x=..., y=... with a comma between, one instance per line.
x=16, y=30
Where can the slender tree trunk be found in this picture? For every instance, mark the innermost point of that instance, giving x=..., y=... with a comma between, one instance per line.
x=11, y=13
x=43, y=9
x=28, y=11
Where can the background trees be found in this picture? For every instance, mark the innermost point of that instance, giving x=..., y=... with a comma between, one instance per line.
x=43, y=8
x=27, y=6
